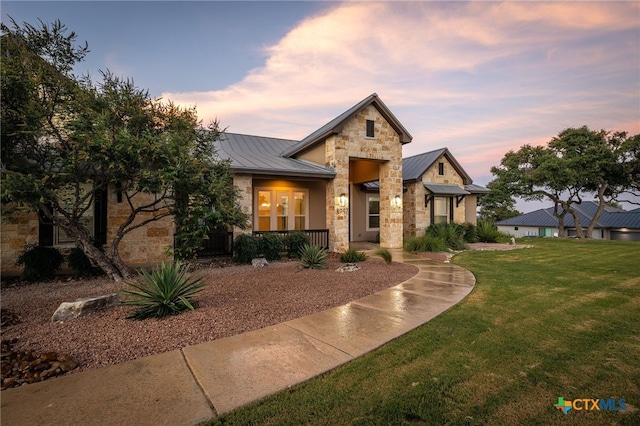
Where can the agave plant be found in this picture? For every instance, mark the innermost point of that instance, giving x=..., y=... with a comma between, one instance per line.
x=167, y=290
x=313, y=257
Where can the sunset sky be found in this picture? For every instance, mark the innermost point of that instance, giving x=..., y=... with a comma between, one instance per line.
x=480, y=78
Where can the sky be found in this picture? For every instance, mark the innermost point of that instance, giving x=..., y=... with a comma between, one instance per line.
x=480, y=78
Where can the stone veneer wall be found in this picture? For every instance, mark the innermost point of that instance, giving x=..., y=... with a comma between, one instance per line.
x=144, y=246
x=352, y=143
x=244, y=183
x=16, y=230
x=419, y=219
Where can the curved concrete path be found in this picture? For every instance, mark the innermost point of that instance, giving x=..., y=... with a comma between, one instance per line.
x=199, y=382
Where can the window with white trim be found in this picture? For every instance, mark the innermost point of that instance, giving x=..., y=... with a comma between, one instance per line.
x=441, y=209
x=274, y=211
x=373, y=212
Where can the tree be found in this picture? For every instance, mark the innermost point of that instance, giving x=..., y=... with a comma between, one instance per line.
x=68, y=139
x=577, y=162
x=497, y=205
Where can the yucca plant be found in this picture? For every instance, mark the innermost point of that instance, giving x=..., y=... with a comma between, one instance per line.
x=384, y=254
x=167, y=290
x=313, y=257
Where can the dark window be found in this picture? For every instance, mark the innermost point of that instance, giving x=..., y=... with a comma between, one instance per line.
x=441, y=169
x=369, y=128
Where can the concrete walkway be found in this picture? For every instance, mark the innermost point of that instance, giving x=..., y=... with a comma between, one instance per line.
x=187, y=386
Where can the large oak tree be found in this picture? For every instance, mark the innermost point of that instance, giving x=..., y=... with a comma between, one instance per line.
x=66, y=139
x=577, y=163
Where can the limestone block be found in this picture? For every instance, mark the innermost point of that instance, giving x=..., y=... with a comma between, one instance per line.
x=69, y=310
x=259, y=262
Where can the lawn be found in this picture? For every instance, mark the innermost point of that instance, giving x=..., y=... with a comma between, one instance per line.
x=561, y=319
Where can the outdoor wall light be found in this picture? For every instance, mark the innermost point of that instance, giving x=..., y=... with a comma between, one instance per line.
x=397, y=202
x=343, y=200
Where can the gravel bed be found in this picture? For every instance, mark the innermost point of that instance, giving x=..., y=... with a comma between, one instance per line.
x=239, y=299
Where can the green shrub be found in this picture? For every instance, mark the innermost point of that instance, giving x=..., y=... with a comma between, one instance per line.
x=167, y=290
x=313, y=257
x=245, y=248
x=271, y=245
x=80, y=263
x=451, y=233
x=470, y=234
x=294, y=242
x=352, y=256
x=40, y=263
x=488, y=232
x=425, y=243
x=384, y=254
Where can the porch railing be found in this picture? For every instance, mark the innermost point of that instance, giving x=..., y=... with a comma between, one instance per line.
x=317, y=237
x=220, y=243
x=217, y=243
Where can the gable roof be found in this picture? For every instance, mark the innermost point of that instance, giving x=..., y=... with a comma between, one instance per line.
x=414, y=167
x=611, y=217
x=262, y=156
x=335, y=126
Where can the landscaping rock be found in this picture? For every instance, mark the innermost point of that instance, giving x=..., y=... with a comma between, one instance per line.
x=23, y=367
x=348, y=267
x=259, y=262
x=69, y=310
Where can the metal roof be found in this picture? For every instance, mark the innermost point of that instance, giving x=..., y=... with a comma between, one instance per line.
x=262, y=155
x=414, y=167
x=476, y=189
x=445, y=189
x=541, y=218
x=611, y=218
x=335, y=126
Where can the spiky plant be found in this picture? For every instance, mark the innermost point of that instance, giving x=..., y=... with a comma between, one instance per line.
x=167, y=290
x=313, y=257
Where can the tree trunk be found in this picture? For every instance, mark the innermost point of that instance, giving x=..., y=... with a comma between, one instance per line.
x=601, y=205
x=576, y=221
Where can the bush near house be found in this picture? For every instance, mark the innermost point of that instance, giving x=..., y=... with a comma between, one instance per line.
x=353, y=256
x=271, y=246
x=294, y=241
x=81, y=265
x=384, y=254
x=451, y=233
x=245, y=248
x=488, y=233
x=40, y=263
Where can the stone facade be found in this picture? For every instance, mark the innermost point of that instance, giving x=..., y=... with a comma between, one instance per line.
x=352, y=144
x=244, y=184
x=144, y=246
x=18, y=229
x=417, y=216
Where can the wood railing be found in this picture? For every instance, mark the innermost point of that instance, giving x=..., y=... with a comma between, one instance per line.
x=220, y=243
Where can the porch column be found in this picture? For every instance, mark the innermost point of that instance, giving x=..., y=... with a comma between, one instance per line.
x=391, y=199
x=337, y=195
x=244, y=184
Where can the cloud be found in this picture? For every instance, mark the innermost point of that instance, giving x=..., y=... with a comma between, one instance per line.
x=480, y=78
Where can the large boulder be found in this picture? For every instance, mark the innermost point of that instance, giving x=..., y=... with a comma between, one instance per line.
x=69, y=310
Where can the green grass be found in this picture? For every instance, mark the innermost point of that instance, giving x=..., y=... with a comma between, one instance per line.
x=559, y=319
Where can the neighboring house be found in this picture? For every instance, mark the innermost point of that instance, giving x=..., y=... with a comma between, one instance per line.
x=613, y=224
x=345, y=182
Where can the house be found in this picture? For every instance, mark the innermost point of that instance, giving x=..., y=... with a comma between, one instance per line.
x=349, y=178
x=613, y=224
x=347, y=181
